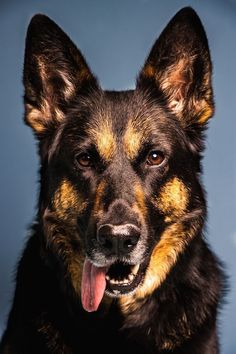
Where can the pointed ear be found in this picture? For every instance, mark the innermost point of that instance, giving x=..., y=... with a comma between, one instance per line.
x=54, y=73
x=179, y=67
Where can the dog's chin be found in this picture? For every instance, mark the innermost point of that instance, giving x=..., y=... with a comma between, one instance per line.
x=123, y=279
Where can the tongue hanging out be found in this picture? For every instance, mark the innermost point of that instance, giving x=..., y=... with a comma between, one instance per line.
x=93, y=286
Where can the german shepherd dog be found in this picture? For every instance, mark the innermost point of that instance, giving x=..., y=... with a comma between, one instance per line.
x=117, y=261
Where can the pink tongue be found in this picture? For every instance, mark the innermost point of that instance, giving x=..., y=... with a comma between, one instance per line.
x=93, y=286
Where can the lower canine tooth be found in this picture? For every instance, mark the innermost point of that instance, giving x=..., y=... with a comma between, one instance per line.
x=131, y=277
x=135, y=269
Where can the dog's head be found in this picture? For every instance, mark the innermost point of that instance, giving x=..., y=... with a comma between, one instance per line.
x=120, y=194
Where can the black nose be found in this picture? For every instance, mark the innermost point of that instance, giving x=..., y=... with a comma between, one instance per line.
x=118, y=239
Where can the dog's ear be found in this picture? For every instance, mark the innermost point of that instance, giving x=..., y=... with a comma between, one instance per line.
x=179, y=69
x=54, y=73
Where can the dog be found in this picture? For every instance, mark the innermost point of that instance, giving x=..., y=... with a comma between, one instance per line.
x=117, y=260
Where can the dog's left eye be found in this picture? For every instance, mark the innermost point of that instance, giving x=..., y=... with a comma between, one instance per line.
x=155, y=158
x=84, y=159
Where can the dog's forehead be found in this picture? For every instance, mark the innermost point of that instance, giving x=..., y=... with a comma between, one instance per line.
x=126, y=107
x=125, y=120
x=121, y=120
x=126, y=113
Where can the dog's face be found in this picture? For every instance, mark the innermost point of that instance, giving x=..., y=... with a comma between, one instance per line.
x=120, y=193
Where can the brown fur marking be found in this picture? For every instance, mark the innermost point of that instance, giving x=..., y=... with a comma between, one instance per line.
x=176, y=83
x=173, y=199
x=164, y=256
x=67, y=201
x=207, y=113
x=59, y=239
x=132, y=140
x=97, y=210
x=104, y=140
x=149, y=71
x=140, y=206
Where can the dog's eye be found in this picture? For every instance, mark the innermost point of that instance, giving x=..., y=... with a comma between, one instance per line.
x=84, y=159
x=155, y=158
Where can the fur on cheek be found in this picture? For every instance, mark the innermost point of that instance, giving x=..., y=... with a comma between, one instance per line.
x=67, y=202
x=172, y=200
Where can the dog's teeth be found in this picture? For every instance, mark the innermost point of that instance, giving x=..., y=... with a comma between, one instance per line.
x=120, y=282
x=107, y=277
x=135, y=269
x=131, y=277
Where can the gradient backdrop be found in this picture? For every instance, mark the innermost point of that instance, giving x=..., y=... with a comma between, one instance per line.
x=115, y=37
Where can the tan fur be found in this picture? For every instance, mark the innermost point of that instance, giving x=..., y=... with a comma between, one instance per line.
x=175, y=83
x=48, y=105
x=104, y=139
x=67, y=201
x=40, y=119
x=34, y=118
x=59, y=239
x=206, y=113
x=74, y=262
x=68, y=204
x=173, y=199
x=139, y=206
x=44, y=68
x=132, y=140
x=75, y=269
x=164, y=256
x=149, y=71
x=69, y=89
x=97, y=210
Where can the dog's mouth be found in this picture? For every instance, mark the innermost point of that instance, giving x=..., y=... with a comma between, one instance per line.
x=122, y=278
x=116, y=280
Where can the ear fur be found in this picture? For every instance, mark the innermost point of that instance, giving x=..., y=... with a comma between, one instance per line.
x=179, y=68
x=54, y=73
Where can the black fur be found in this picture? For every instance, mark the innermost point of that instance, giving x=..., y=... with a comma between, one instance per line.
x=66, y=108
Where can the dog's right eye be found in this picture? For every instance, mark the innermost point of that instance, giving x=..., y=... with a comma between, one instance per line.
x=84, y=160
x=155, y=158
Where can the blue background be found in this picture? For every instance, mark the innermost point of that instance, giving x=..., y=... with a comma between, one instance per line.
x=115, y=37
